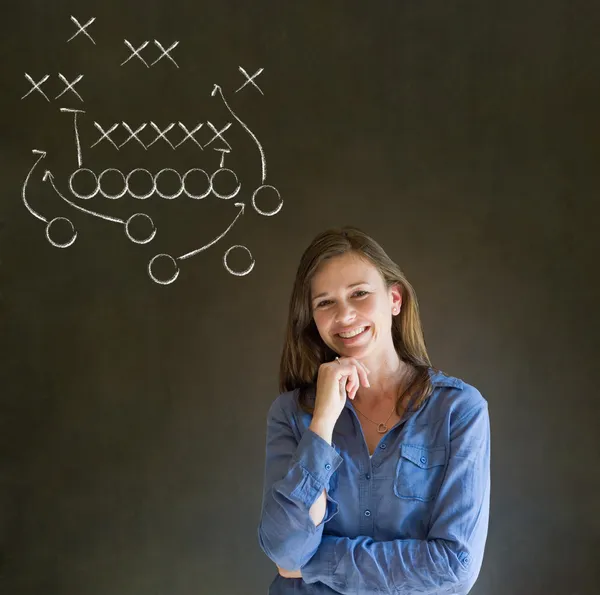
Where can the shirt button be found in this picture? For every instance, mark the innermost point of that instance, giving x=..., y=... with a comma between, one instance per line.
x=328, y=466
x=367, y=513
x=423, y=459
x=368, y=476
x=384, y=445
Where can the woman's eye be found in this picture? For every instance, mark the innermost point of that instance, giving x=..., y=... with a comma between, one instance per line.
x=359, y=293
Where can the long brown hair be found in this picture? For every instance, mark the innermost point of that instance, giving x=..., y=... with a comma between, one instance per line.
x=304, y=350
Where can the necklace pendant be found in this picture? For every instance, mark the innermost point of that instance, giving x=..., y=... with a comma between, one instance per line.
x=382, y=428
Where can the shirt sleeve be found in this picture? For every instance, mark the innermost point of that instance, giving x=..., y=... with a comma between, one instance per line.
x=449, y=560
x=296, y=473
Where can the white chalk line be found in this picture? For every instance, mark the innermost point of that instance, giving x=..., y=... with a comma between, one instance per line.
x=82, y=29
x=41, y=154
x=135, y=52
x=154, y=188
x=165, y=53
x=78, y=144
x=49, y=176
x=216, y=89
x=194, y=252
x=133, y=134
x=69, y=85
x=250, y=79
x=36, y=86
x=188, y=134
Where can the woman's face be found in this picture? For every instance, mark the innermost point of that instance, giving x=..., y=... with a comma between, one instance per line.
x=349, y=294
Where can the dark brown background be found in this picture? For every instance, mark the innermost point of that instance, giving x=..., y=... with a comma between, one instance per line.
x=464, y=136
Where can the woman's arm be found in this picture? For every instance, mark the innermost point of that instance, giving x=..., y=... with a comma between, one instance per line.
x=451, y=556
x=295, y=501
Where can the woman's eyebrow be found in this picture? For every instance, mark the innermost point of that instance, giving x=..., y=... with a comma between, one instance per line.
x=349, y=286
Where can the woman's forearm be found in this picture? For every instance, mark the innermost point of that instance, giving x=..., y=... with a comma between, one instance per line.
x=325, y=430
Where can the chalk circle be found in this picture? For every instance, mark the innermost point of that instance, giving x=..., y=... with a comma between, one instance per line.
x=140, y=196
x=230, y=270
x=168, y=196
x=167, y=281
x=112, y=196
x=212, y=183
x=145, y=240
x=59, y=244
x=83, y=196
x=197, y=196
x=267, y=213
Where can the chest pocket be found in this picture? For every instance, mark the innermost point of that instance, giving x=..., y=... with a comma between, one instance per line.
x=419, y=472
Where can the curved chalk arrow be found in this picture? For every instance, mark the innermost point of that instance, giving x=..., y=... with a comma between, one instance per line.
x=190, y=254
x=41, y=154
x=48, y=176
x=216, y=89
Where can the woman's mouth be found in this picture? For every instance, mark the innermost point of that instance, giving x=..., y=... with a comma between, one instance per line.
x=354, y=334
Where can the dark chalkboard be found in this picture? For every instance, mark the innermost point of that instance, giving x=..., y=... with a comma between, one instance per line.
x=164, y=166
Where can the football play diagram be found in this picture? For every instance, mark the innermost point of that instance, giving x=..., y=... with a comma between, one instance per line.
x=160, y=135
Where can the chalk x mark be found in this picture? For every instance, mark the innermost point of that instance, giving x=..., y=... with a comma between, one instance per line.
x=162, y=134
x=133, y=134
x=218, y=134
x=189, y=134
x=136, y=52
x=69, y=86
x=165, y=53
x=250, y=79
x=82, y=29
x=216, y=89
x=105, y=135
x=36, y=86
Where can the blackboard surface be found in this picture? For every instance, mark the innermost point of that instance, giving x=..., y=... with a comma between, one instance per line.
x=164, y=165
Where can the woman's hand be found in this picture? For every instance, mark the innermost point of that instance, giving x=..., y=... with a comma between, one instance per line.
x=289, y=573
x=334, y=380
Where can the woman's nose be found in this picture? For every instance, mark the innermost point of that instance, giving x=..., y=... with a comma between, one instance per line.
x=344, y=312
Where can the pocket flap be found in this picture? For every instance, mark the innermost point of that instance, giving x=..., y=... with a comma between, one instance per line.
x=424, y=457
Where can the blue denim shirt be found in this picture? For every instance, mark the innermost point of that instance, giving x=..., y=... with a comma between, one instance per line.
x=413, y=518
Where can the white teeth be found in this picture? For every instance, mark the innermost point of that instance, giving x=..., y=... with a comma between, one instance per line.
x=353, y=333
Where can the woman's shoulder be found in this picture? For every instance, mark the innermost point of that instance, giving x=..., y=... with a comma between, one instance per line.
x=454, y=396
x=287, y=403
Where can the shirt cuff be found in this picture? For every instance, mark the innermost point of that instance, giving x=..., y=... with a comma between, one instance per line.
x=320, y=460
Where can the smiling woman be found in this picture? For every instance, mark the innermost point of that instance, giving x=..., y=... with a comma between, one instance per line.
x=358, y=499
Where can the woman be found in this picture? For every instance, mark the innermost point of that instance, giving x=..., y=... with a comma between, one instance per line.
x=377, y=470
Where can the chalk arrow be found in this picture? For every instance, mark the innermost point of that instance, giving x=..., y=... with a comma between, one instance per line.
x=190, y=254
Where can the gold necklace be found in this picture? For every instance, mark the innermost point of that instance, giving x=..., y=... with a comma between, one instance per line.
x=381, y=427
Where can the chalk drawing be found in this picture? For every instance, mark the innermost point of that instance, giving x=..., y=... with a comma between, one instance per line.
x=250, y=79
x=133, y=134
x=36, y=86
x=218, y=134
x=82, y=29
x=77, y=143
x=165, y=53
x=49, y=223
x=189, y=134
x=217, y=89
x=223, y=183
x=106, y=135
x=135, y=52
x=69, y=85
